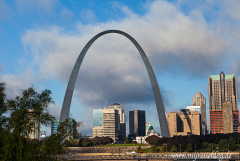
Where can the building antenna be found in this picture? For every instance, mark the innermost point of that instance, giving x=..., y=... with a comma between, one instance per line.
x=171, y=108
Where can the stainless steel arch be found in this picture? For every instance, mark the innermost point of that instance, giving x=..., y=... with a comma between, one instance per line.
x=156, y=91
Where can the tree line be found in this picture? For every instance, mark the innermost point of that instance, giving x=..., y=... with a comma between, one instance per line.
x=199, y=143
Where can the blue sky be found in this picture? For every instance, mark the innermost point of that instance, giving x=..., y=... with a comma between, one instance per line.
x=185, y=41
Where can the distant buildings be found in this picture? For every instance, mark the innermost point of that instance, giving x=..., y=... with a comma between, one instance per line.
x=54, y=126
x=35, y=132
x=149, y=129
x=97, y=117
x=199, y=100
x=122, y=116
x=110, y=122
x=72, y=125
x=137, y=123
x=185, y=122
x=223, y=103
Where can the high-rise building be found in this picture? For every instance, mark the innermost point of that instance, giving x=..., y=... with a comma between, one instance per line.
x=137, y=123
x=198, y=109
x=35, y=131
x=227, y=118
x=54, y=126
x=110, y=124
x=223, y=89
x=122, y=117
x=106, y=123
x=97, y=117
x=199, y=100
x=185, y=122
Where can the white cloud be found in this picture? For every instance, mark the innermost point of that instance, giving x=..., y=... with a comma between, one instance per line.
x=112, y=69
x=36, y=6
x=66, y=14
x=87, y=15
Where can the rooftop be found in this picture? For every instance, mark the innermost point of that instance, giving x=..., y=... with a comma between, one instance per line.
x=116, y=104
x=227, y=76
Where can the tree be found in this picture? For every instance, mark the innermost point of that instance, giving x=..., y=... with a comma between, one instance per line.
x=128, y=140
x=15, y=143
x=189, y=147
x=204, y=144
x=231, y=143
x=223, y=145
x=174, y=148
x=153, y=149
x=139, y=149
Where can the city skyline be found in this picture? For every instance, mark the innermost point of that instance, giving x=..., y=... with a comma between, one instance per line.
x=185, y=42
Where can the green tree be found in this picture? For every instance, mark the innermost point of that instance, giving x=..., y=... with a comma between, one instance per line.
x=15, y=143
x=174, y=148
x=204, y=145
x=128, y=140
x=139, y=149
x=189, y=147
x=153, y=149
x=231, y=142
x=223, y=145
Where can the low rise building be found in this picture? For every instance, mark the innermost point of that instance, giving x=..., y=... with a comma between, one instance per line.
x=185, y=122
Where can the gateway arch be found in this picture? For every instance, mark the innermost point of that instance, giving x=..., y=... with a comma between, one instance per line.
x=156, y=91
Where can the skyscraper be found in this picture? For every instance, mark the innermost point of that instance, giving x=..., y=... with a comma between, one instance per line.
x=137, y=123
x=106, y=123
x=35, y=132
x=222, y=89
x=110, y=124
x=122, y=117
x=199, y=100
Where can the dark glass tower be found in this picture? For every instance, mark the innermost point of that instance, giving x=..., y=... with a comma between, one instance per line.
x=137, y=123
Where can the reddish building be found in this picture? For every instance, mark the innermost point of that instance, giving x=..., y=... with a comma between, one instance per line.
x=216, y=121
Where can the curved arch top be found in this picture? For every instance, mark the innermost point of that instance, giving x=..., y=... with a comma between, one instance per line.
x=156, y=91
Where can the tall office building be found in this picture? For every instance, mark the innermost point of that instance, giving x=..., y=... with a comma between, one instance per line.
x=185, y=122
x=107, y=124
x=110, y=124
x=198, y=109
x=122, y=117
x=199, y=100
x=223, y=89
x=137, y=123
x=35, y=132
x=54, y=126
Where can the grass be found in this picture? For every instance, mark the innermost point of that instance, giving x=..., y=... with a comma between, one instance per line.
x=121, y=145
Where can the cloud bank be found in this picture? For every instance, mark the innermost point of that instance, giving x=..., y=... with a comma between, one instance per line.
x=112, y=69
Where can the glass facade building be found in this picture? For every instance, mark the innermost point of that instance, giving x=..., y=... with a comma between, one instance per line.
x=54, y=127
x=97, y=117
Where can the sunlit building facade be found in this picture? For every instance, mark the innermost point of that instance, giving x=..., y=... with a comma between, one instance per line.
x=223, y=103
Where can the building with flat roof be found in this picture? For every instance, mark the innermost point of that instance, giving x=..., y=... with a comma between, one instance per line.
x=110, y=124
x=223, y=89
x=185, y=122
x=199, y=100
x=108, y=121
x=137, y=123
